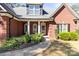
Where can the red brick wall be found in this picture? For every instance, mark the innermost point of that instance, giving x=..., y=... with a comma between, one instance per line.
x=4, y=27
x=16, y=28
x=63, y=15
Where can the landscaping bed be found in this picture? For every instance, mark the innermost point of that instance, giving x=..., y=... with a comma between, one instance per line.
x=21, y=42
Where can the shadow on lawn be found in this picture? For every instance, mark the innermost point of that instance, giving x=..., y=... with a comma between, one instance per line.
x=58, y=48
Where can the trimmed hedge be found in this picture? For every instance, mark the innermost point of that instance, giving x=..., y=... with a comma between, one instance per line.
x=68, y=36
x=74, y=36
x=64, y=36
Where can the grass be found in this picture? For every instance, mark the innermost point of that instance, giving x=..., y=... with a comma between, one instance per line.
x=61, y=48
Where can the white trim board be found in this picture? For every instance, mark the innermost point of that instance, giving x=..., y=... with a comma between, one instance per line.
x=3, y=8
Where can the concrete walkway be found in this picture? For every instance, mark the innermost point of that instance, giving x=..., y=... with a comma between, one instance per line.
x=30, y=51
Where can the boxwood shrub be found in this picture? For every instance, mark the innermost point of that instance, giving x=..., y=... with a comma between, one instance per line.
x=74, y=36
x=68, y=36
x=64, y=36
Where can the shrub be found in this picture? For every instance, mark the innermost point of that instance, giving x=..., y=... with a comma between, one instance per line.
x=64, y=36
x=12, y=43
x=73, y=36
x=37, y=37
x=24, y=39
x=16, y=42
x=28, y=38
x=68, y=36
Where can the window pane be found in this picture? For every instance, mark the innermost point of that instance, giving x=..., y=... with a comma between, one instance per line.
x=31, y=12
x=31, y=6
x=34, y=10
x=25, y=28
x=64, y=27
x=37, y=6
x=37, y=12
x=60, y=28
x=43, y=27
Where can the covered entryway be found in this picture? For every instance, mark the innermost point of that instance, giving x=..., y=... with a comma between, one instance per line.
x=33, y=27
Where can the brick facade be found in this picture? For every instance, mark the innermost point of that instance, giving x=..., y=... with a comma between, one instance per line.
x=16, y=28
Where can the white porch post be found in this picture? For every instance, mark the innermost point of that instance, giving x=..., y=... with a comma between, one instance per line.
x=39, y=26
x=28, y=27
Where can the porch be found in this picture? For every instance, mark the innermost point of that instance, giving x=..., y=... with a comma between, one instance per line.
x=32, y=27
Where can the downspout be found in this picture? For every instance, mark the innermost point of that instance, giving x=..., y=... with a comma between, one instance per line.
x=10, y=26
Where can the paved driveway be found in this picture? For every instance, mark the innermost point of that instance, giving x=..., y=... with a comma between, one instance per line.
x=30, y=51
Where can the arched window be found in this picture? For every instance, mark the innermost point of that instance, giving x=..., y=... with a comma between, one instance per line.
x=25, y=28
x=35, y=28
x=43, y=28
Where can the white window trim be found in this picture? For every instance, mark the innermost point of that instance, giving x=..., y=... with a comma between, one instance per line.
x=3, y=8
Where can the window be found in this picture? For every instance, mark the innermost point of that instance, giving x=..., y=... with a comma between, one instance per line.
x=34, y=9
x=34, y=28
x=62, y=28
x=43, y=28
x=25, y=28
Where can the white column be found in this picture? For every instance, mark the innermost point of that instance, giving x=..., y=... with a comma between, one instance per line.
x=39, y=26
x=28, y=27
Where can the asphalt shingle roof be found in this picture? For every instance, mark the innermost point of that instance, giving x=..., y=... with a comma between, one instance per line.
x=75, y=7
x=20, y=10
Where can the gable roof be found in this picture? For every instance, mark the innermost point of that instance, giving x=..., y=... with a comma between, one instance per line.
x=2, y=9
x=70, y=8
x=73, y=8
x=20, y=12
